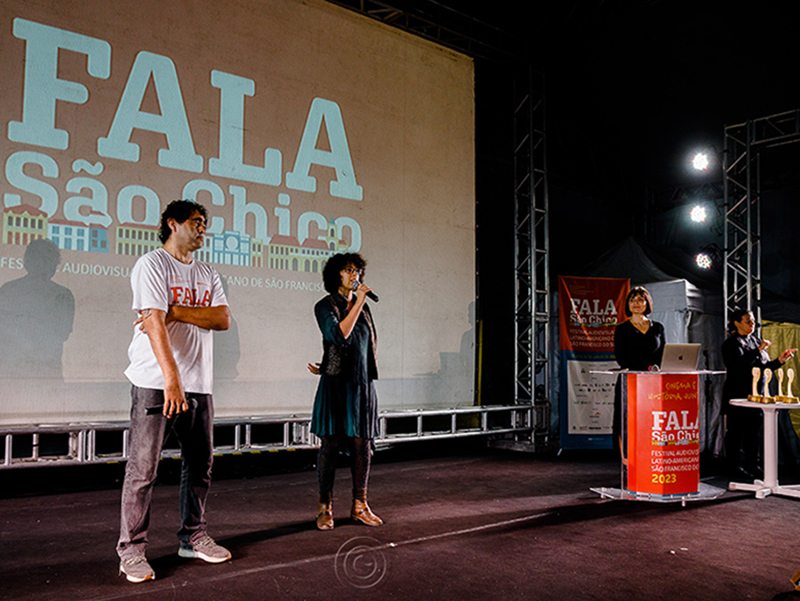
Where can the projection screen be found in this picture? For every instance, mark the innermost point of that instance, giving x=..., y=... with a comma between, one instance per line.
x=303, y=128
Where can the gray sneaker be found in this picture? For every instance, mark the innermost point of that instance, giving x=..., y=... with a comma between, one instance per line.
x=136, y=569
x=206, y=549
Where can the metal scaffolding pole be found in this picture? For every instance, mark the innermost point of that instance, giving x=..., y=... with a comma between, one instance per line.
x=742, y=191
x=532, y=291
x=742, y=277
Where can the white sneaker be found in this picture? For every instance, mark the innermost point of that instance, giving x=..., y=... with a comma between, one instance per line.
x=136, y=569
x=206, y=549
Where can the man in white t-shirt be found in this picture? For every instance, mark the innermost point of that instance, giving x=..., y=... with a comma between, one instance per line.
x=179, y=302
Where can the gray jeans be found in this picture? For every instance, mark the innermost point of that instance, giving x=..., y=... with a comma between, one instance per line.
x=146, y=438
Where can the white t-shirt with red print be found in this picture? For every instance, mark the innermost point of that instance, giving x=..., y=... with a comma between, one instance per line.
x=158, y=281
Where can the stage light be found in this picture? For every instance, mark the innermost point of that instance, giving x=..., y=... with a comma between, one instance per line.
x=709, y=256
x=701, y=161
x=698, y=214
x=703, y=261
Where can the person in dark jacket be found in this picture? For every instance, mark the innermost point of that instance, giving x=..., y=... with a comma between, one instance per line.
x=638, y=346
x=741, y=352
x=346, y=405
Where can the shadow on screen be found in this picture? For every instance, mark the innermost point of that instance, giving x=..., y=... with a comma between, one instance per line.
x=227, y=351
x=453, y=384
x=36, y=317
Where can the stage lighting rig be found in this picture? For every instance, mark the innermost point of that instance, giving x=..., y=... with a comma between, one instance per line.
x=708, y=257
x=701, y=161
x=698, y=214
x=703, y=261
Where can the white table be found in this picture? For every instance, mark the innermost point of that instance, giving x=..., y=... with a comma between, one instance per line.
x=769, y=485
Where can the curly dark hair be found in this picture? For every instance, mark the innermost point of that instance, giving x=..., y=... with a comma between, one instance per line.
x=180, y=211
x=642, y=292
x=331, y=277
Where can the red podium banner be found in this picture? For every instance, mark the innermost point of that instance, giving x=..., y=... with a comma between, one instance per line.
x=663, y=433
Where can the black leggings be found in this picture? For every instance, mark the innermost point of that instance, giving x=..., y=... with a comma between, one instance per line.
x=361, y=455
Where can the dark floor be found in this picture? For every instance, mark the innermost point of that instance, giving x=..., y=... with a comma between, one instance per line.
x=459, y=525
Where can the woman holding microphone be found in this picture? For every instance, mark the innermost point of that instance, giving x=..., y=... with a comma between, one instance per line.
x=345, y=406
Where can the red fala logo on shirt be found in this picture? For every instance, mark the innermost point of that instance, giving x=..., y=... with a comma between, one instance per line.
x=188, y=297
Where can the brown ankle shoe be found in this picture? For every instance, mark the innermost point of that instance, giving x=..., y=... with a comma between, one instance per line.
x=362, y=513
x=325, y=516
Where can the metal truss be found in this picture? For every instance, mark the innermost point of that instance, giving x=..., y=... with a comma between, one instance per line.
x=742, y=193
x=435, y=21
x=95, y=443
x=532, y=293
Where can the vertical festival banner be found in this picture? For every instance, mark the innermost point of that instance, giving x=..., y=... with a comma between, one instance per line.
x=589, y=310
x=663, y=433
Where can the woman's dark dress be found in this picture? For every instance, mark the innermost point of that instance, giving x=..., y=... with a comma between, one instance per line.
x=634, y=351
x=346, y=403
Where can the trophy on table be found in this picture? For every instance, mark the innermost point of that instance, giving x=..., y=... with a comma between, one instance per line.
x=766, y=398
x=780, y=397
x=755, y=397
x=790, y=398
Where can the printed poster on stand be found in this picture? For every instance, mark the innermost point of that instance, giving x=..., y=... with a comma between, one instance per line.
x=589, y=310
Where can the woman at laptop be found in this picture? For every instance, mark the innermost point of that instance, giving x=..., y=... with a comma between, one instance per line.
x=638, y=345
x=741, y=352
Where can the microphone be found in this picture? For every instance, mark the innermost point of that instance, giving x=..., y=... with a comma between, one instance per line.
x=370, y=295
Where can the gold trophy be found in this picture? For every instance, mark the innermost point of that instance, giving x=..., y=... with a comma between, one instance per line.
x=755, y=397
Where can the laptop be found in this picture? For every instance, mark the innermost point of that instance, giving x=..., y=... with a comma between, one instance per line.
x=680, y=357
